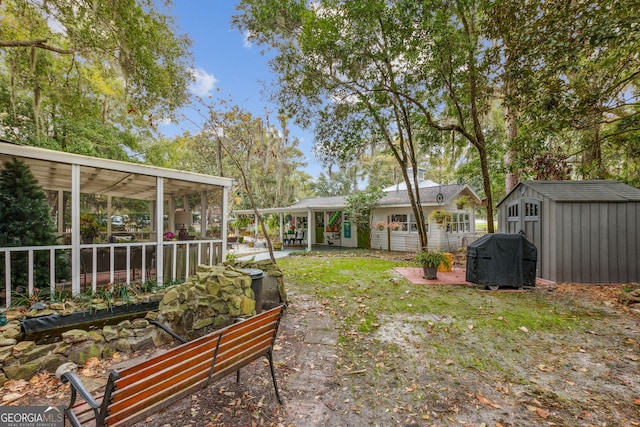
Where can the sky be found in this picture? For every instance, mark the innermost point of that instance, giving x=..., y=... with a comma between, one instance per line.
x=228, y=67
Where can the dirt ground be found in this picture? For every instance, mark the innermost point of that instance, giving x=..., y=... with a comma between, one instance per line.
x=602, y=376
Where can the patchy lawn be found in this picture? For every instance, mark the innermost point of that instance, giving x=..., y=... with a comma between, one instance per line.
x=425, y=355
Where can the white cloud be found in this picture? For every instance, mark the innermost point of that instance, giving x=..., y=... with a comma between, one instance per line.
x=204, y=83
x=247, y=43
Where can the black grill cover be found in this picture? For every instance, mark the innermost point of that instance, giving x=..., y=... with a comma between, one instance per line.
x=503, y=260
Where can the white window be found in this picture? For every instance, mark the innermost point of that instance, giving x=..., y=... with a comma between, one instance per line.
x=460, y=223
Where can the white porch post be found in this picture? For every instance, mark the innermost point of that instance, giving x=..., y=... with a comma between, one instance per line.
x=203, y=213
x=109, y=213
x=310, y=227
x=60, y=224
x=159, y=230
x=223, y=218
x=75, y=229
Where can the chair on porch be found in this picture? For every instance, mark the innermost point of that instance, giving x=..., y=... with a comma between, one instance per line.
x=299, y=237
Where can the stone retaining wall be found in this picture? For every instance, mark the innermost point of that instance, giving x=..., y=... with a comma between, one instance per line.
x=210, y=299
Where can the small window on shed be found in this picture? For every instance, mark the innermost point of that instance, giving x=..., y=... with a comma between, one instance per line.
x=532, y=210
x=512, y=211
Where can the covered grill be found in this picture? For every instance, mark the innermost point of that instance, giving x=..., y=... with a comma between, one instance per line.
x=496, y=260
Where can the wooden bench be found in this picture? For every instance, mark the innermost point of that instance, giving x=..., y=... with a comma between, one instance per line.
x=134, y=393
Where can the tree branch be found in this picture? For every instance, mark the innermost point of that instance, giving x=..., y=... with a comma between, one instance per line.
x=40, y=44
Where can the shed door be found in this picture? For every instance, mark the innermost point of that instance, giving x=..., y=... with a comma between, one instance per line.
x=523, y=216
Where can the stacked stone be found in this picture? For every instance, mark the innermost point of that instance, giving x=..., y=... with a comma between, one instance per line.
x=23, y=359
x=210, y=299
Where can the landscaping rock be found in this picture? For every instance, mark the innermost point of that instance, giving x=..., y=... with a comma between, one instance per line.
x=75, y=335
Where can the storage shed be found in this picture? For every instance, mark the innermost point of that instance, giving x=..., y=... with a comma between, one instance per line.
x=585, y=231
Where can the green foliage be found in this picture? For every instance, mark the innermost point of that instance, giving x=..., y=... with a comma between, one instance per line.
x=25, y=221
x=94, y=82
x=440, y=216
x=360, y=208
x=89, y=226
x=432, y=259
x=241, y=222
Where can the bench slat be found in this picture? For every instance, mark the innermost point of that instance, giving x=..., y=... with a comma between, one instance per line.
x=204, y=350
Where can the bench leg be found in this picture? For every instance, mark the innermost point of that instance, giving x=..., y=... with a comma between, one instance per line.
x=273, y=375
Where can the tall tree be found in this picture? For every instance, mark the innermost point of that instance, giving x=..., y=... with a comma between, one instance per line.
x=25, y=221
x=76, y=76
x=574, y=74
x=390, y=68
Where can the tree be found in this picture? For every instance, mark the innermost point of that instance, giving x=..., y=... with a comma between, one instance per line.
x=360, y=208
x=263, y=159
x=25, y=221
x=89, y=77
x=572, y=69
x=391, y=70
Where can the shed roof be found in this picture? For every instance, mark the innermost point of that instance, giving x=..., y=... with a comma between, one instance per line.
x=595, y=191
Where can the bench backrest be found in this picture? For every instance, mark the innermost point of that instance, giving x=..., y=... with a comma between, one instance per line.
x=146, y=388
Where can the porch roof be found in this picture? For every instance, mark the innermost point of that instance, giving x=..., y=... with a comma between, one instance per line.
x=53, y=168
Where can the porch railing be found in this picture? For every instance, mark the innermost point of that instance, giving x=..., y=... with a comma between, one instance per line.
x=179, y=261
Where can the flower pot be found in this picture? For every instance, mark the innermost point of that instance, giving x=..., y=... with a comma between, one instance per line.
x=430, y=273
x=87, y=239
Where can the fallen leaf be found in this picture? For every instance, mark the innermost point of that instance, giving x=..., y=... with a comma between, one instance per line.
x=542, y=412
x=487, y=402
x=470, y=327
x=10, y=397
x=523, y=329
x=633, y=357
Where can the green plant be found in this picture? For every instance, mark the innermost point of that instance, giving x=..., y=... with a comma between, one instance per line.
x=432, y=259
x=440, y=216
x=89, y=226
x=463, y=201
x=241, y=222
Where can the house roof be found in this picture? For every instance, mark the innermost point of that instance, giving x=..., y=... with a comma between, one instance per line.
x=600, y=191
x=428, y=197
x=53, y=171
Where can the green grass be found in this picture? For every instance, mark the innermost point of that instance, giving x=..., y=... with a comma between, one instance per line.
x=402, y=334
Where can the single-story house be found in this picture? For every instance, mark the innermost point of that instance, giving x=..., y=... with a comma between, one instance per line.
x=322, y=220
x=585, y=231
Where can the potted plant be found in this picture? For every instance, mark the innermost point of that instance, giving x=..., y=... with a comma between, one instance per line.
x=440, y=216
x=89, y=228
x=463, y=201
x=277, y=244
x=430, y=261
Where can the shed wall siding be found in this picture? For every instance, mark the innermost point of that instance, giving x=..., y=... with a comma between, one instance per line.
x=597, y=242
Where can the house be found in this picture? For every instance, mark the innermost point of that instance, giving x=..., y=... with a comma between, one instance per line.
x=323, y=220
x=585, y=231
x=166, y=194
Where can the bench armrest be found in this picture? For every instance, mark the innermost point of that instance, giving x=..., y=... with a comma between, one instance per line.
x=78, y=387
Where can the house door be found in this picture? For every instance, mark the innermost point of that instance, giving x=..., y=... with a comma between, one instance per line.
x=319, y=225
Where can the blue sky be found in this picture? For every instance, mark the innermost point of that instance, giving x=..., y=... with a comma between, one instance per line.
x=227, y=66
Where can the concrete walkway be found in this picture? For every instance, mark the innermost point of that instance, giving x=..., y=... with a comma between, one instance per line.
x=313, y=334
x=264, y=254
